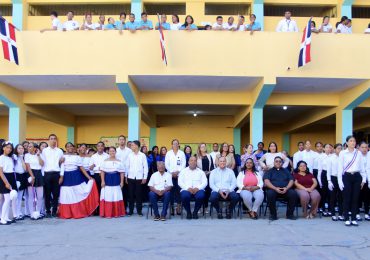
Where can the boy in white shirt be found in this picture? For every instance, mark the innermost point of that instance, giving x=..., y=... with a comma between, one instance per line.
x=55, y=23
x=287, y=24
x=70, y=24
x=230, y=26
x=218, y=24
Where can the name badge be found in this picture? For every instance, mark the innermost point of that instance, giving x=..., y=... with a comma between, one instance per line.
x=178, y=162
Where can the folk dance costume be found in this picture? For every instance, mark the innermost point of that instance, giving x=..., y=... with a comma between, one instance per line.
x=78, y=199
x=111, y=200
x=7, y=166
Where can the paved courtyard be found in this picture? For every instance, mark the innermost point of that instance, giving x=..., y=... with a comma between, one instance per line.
x=138, y=238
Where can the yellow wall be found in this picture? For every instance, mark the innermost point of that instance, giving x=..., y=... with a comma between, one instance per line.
x=90, y=129
x=189, y=129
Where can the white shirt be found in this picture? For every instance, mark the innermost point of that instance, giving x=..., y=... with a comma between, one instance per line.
x=192, y=179
x=323, y=161
x=240, y=181
x=228, y=26
x=111, y=166
x=159, y=181
x=18, y=168
x=213, y=156
x=71, y=163
x=7, y=164
x=343, y=29
x=56, y=23
x=309, y=157
x=326, y=28
x=316, y=160
x=368, y=166
x=268, y=160
x=85, y=161
x=122, y=154
x=242, y=27
x=296, y=158
x=51, y=158
x=332, y=166
x=367, y=30
x=175, y=162
x=71, y=25
x=33, y=161
x=136, y=166
x=287, y=26
x=92, y=26
x=222, y=180
x=97, y=160
x=217, y=26
x=175, y=27
x=345, y=157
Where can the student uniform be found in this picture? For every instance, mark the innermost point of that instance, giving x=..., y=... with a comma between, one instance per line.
x=175, y=26
x=71, y=25
x=22, y=178
x=335, y=194
x=286, y=25
x=7, y=165
x=323, y=161
x=111, y=200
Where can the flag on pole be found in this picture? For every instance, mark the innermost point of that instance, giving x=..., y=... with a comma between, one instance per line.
x=7, y=37
x=305, y=53
x=161, y=41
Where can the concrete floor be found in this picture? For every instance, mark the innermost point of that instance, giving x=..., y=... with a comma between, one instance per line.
x=138, y=238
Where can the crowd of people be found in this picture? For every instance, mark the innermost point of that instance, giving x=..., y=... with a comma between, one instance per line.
x=79, y=181
x=285, y=25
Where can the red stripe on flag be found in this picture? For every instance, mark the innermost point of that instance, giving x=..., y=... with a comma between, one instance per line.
x=12, y=32
x=308, y=53
x=6, y=50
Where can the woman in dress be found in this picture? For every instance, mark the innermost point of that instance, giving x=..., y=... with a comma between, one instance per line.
x=112, y=176
x=78, y=199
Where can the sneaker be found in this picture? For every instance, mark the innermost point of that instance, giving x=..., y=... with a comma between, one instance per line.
x=341, y=218
x=140, y=214
x=347, y=223
x=5, y=223
x=54, y=215
x=27, y=216
x=334, y=218
x=188, y=216
x=156, y=218
x=329, y=214
x=19, y=218
x=195, y=215
x=354, y=223
x=324, y=214
x=219, y=216
x=358, y=217
x=163, y=218
x=367, y=217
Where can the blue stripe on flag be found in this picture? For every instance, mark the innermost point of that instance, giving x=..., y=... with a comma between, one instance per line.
x=300, y=60
x=15, y=54
x=2, y=26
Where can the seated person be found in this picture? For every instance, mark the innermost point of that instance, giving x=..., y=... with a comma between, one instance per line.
x=222, y=182
x=131, y=24
x=70, y=24
x=306, y=185
x=160, y=185
x=250, y=186
x=279, y=183
x=164, y=24
x=145, y=24
x=192, y=182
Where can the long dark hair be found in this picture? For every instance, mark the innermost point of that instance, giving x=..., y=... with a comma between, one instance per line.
x=6, y=144
x=298, y=164
x=16, y=148
x=253, y=167
x=186, y=23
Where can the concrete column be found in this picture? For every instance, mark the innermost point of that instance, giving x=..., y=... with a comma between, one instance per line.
x=153, y=137
x=237, y=140
x=258, y=10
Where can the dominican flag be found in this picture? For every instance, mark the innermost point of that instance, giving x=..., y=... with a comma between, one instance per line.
x=161, y=41
x=7, y=37
x=305, y=53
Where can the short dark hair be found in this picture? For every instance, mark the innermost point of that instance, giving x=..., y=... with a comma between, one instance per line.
x=143, y=13
x=100, y=142
x=123, y=13
x=300, y=142
x=137, y=142
x=218, y=17
x=71, y=12
x=368, y=26
x=132, y=14
x=124, y=137
x=68, y=144
x=175, y=140
x=52, y=135
x=255, y=17
x=54, y=13
x=336, y=145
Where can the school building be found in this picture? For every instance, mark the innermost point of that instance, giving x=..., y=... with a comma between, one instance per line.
x=87, y=86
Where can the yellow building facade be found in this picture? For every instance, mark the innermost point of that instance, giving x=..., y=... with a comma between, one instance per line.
x=88, y=85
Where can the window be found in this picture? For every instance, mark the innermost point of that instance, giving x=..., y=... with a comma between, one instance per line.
x=6, y=10
x=170, y=8
x=300, y=11
x=227, y=9
x=360, y=12
x=94, y=9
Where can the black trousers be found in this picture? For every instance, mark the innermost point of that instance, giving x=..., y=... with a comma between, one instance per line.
x=336, y=197
x=324, y=190
x=291, y=197
x=51, y=188
x=351, y=193
x=364, y=198
x=135, y=194
x=315, y=173
x=97, y=179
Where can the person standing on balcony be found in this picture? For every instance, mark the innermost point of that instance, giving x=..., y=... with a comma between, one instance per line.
x=253, y=25
x=240, y=26
x=175, y=26
x=218, y=25
x=367, y=30
x=145, y=24
x=111, y=24
x=121, y=23
x=164, y=24
x=88, y=24
x=56, y=25
x=342, y=26
x=70, y=24
x=189, y=24
x=326, y=27
x=131, y=24
x=100, y=24
x=229, y=26
x=287, y=24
